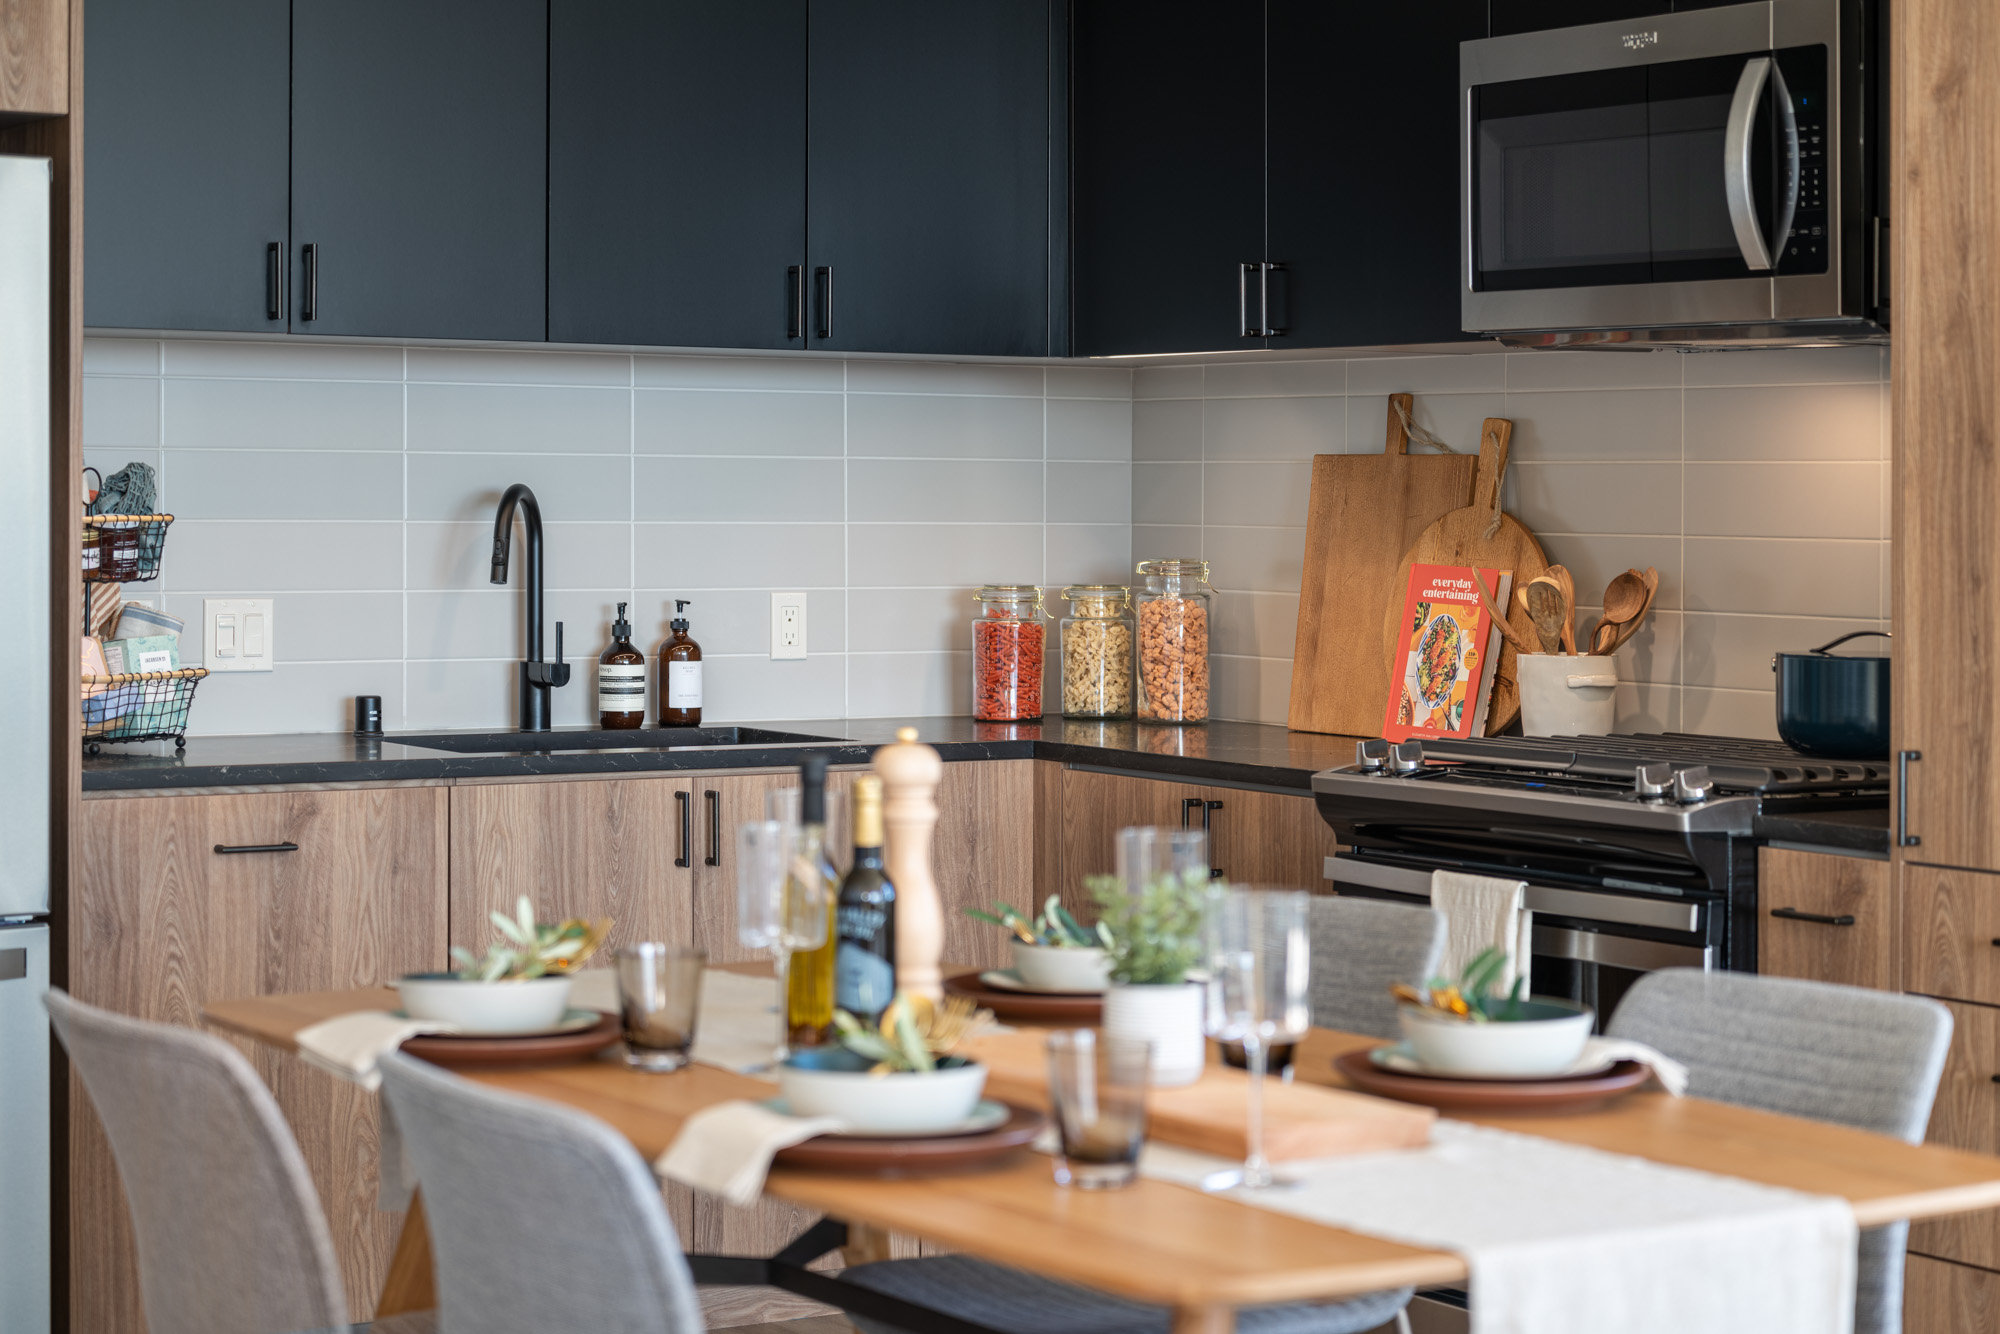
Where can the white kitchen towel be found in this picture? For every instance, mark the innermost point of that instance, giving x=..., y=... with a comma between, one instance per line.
x=1668, y=1073
x=735, y=1029
x=1481, y=913
x=349, y=1045
x=1562, y=1239
x=726, y=1149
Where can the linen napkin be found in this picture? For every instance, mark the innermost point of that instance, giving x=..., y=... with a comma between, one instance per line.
x=348, y=1045
x=1481, y=913
x=727, y=1149
x=1668, y=1073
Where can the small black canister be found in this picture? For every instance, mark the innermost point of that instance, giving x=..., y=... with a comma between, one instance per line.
x=368, y=715
x=1835, y=708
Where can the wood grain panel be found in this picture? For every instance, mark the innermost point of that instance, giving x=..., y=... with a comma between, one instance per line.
x=1269, y=839
x=1967, y=1116
x=1049, y=876
x=1094, y=808
x=1944, y=1298
x=1951, y=934
x=984, y=852
x=1860, y=955
x=164, y=925
x=34, y=57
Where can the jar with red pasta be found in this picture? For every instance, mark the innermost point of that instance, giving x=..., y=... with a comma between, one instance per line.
x=1173, y=640
x=1007, y=643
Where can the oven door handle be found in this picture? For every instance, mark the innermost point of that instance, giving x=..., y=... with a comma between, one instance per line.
x=1739, y=185
x=1580, y=904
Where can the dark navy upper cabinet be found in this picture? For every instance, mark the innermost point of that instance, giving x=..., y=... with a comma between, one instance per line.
x=1167, y=175
x=1364, y=180
x=420, y=168
x=929, y=152
x=677, y=169
x=1512, y=16
x=187, y=103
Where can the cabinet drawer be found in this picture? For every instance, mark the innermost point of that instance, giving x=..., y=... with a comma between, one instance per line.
x=1951, y=934
x=1825, y=918
x=1967, y=1116
x=1942, y=1298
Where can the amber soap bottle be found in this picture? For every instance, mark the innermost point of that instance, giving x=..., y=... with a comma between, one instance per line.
x=680, y=674
x=621, y=680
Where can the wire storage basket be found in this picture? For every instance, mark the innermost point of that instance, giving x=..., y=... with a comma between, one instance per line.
x=138, y=706
x=123, y=548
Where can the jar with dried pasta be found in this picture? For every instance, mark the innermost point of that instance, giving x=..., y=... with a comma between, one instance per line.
x=1173, y=640
x=1097, y=652
x=1007, y=642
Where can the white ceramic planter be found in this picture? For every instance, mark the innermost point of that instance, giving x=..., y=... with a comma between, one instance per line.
x=529, y=1006
x=1049, y=968
x=1169, y=1018
x=1563, y=694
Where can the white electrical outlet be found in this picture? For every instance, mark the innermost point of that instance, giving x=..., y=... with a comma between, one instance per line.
x=788, y=625
x=237, y=634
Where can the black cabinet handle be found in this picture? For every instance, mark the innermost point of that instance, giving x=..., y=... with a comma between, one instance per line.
x=1264, y=272
x=309, y=302
x=823, y=286
x=687, y=830
x=1243, y=300
x=795, y=301
x=225, y=849
x=1209, y=808
x=1191, y=804
x=1794, y=915
x=714, y=857
x=274, y=281
x=1904, y=838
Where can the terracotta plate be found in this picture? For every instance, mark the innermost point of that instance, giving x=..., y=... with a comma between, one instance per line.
x=1031, y=1007
x=484, y=1053
x=914, y=1157
x=1480, y=1095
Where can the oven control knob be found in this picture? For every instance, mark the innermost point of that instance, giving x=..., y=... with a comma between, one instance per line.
x=1693, y=785
x=1406, y=757
x=1653, y=780
x=1371, y=756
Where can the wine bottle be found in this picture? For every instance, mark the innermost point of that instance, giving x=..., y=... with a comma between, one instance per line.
x=864, y=970
x=809, y=988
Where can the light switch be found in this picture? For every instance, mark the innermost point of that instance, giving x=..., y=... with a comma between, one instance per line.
x=238, y=634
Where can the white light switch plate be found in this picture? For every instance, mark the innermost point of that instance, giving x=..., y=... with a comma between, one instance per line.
x=237, y=634
x=788, y=625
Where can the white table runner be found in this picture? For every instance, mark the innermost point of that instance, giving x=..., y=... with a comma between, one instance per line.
x=1563, y=1239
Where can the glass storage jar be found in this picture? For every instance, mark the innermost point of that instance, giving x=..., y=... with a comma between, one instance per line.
x=1173, y=641
x=1007, y=642
x=1097, y=652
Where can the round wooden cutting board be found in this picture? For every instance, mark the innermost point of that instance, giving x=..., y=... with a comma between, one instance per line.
x=1459, y=538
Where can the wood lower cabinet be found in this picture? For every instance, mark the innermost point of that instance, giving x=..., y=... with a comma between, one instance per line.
x=1967, y=1116
x=163, y=922
x=1940, y=1297
x=1951, y=923
x=1826, y=918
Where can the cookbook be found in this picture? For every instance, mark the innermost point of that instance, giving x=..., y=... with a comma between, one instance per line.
x=1447, y=647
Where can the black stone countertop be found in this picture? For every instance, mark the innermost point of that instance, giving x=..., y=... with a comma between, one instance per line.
x=1862, y=830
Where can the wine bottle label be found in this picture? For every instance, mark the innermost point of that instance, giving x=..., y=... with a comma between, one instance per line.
x=864, y=981
x=683, y=685
x=621, y=687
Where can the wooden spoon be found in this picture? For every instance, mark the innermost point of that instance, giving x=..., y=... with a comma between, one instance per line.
x=1548, y=610
x=1563, y=577
x=1651, y=584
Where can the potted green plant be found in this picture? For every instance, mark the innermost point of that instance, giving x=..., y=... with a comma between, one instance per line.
x=1156, y=943
x=520, y=985
x=1052, y=951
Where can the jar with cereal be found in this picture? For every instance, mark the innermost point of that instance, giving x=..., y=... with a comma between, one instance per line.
x=1007, y=641
x=1097, y=652
x=1173, y=641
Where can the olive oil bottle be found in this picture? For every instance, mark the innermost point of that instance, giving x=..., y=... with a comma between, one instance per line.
x=809, y=988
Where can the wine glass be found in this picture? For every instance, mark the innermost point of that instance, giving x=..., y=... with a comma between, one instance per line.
x=776, y=910
x=1259, y=957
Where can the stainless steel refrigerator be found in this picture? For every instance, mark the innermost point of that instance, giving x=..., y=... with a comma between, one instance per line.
x=26, y=723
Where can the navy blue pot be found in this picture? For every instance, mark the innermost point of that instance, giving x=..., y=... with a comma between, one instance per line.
x=1834, y=708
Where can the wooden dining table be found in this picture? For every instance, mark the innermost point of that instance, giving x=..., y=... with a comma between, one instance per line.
x=1203, y=1255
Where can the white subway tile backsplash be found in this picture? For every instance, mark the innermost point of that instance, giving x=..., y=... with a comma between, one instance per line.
x=943, y=426
x=501, y=366
x=278, y=359
x=1614, y=426
x=490, y=622
x=1456, y=374
x=1643, y=707
x=749, y=490
x=1831, y=421
x=1784, y=499
x=738, y=555
x=1255, y=625
x=1087, y=553
x=1592, y=368
x=908, y=685
x=930, y=490
x=283, y=484
x=1087, y=382
x=298, y=697
x=1166, y=428
x=758, y=689
x=1817, y=365
x=942, y=377
x=519, y=419
x=460, y=555
x=1748, y=713
x=735, y=620
x=1593, y=560
x=1166, y=493
x=121, y=356
x=1785, y=578
x=1256, y=690
x=1167, y=382
x=1089, y=493
x=1090, y=428
x=1273, y=494
x=1456, y=419
x=311, y=627
x=283, y=414
x=468, y=487
x=924, y=555
x=121, y=412
x=1262, y=560
x=1274, y=379
x=205, y=557
x=827, y=374
x=1640, y=498
x=1274, y=428
x=738, y=422
x=1735, y=652
x=913, y=620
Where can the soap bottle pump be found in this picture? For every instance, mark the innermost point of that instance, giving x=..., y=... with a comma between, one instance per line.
x=621, y=680
x=680, y=674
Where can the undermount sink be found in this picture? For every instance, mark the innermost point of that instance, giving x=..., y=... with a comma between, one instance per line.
x=648, y=738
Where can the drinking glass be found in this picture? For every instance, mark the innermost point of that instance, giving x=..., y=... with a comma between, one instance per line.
x=1259, y=957
x=659, y=999
x=1147, y=852
x=776, y=910
x=1097, y=1086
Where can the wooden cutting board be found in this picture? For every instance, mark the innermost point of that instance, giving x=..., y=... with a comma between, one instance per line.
x=1459, y=538
x=1211, y=1114
x=1366, y=510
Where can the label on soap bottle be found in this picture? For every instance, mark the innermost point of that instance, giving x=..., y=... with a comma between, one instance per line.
x=683, y=685
x=621, y=687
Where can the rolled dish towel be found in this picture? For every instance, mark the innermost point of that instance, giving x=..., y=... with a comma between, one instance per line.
x=1668, y=1073
x=349, y=1045
x=1482, y=913
x=727, y=1149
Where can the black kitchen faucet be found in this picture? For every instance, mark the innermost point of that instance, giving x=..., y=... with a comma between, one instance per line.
x=537, y=677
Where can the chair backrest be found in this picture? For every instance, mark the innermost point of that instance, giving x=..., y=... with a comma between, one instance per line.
x=538, y=1213
x=1359, y=947
x=1869, y=1059
x=230, y=1234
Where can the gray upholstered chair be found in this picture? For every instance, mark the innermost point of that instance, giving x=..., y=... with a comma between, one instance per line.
x=1869, y=1059
x=230, y=1235
x=1359, y=947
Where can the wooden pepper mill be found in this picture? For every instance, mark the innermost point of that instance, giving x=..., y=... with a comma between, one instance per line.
x=910, y=775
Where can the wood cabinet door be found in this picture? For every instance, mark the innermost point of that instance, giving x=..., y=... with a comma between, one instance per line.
x=420, y=168
x=1167, y=144
x=1268, y=839
x=1095, y=806
x=162, y=924
x=723, y=802
x=677, y=172
x=984, y=853
x=1944, y=1298
x=1825, y=918
x=1967, y=1116
x=188, y=103
x=1951, y=934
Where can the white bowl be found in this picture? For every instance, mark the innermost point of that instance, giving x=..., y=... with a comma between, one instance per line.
x=518, y=1006
x=1054, y=968
x=824, y=1081
x=1547, y=1042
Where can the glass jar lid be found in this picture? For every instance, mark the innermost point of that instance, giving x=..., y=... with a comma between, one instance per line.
x=1097, y=599
x=1183, y=567
x=1023, y=600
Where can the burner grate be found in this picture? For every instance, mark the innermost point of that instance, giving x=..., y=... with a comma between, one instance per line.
x=1736, y=764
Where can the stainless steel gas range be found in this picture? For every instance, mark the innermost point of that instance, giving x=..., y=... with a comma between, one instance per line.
x=1639, y=851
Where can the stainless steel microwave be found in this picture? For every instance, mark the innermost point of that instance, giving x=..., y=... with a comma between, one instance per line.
x=1702, y=178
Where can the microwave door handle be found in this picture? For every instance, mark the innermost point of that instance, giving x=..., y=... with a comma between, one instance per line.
x=1737, y=184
